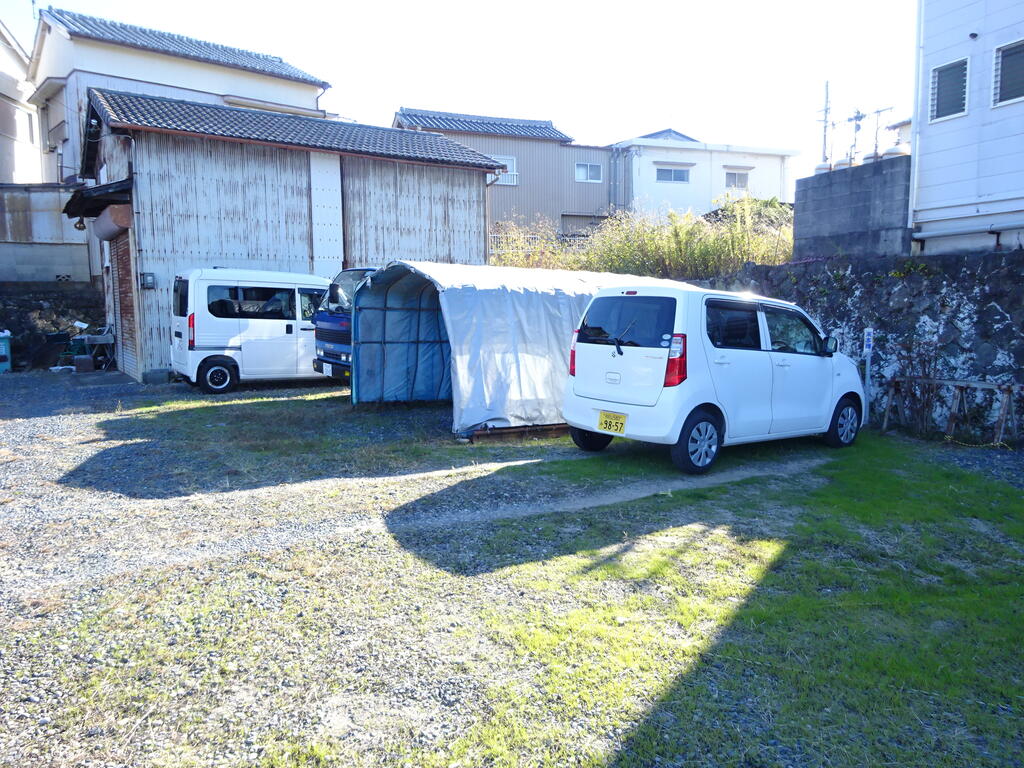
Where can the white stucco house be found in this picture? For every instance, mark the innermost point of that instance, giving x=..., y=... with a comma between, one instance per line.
x=74, y=52
x=669, y=170
x=19, y=148
x=967, y=173
x=44, y=111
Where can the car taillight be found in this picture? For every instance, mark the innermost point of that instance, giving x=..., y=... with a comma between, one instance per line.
x=192, y=331
x=572, y=354
x=675, y=368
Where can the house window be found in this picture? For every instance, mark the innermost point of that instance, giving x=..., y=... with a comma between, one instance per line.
x=678, y=175
x=588, y=172
x=949, y=90
x=1009, y=85
x=511, y=176
x=737, y=179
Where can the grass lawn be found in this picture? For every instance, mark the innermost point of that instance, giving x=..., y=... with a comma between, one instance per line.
x=873, y=617
x=869, y=611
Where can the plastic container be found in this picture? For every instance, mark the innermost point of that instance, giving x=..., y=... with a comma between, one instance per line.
x=5, y=351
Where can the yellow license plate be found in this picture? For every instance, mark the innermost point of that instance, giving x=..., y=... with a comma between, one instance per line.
x=611, y=422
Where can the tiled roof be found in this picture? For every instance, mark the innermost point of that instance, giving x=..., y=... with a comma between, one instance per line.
x=80, y=25
x=668, y=133
x=500, y=126
x=133, y=110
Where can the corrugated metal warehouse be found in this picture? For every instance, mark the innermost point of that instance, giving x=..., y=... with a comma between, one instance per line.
x=185, y=185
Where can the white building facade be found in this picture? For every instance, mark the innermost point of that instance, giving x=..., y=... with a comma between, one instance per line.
x=967, y=184
x=19, y=146
x=73, y=53
x=668, y=171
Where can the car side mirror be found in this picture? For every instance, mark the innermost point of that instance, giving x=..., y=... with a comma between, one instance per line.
x=334, y=294
x=831, y=345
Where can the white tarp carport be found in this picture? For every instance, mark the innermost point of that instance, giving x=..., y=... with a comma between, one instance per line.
x=494, y=340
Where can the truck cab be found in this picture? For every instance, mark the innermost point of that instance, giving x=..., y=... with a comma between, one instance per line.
x=333, y=323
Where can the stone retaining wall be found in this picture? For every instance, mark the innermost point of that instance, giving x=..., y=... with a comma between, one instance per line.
x=968, y=310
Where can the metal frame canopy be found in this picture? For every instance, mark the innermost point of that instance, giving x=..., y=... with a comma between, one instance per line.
x=493, y=340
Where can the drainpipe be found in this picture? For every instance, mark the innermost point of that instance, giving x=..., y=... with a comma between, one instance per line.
x=980, y=229
x=612, y=161
x=918, y=118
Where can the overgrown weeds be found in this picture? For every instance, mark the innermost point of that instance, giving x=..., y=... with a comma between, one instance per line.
x=679, y=246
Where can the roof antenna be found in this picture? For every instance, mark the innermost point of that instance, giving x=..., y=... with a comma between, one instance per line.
x=878, y=121
x=825, y=127
x=855, y=119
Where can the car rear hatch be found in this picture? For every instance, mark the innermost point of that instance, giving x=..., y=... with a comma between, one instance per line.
x=179, y=324
x=622, y=348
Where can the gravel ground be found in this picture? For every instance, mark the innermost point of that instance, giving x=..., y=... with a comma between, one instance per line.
x=104, y=545
x=111, y=564
x=1006, y=464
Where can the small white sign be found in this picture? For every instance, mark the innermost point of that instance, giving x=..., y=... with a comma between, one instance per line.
x=869, y=339
x=328, y=369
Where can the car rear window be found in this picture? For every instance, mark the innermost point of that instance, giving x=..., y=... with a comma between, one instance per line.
x=636, y=321
x=180, y=302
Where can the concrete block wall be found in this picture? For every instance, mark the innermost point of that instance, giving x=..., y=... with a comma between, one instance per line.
x=859, y=211
x=38, y=243
x=44, y=262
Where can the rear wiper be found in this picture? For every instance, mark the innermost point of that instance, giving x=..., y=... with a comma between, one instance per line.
x=618, y=339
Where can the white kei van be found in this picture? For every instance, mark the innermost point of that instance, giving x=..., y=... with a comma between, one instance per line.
x=698, y=369
x=232, y=325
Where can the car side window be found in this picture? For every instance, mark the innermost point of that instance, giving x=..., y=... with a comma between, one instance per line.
x=733, y=324
x=222, y=300
x=267, y=303
x=309, y=300
x=790, y=332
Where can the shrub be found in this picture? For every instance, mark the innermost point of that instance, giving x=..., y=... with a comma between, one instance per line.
x=679, y=246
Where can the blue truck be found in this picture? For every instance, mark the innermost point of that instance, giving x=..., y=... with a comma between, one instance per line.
x=333, y=323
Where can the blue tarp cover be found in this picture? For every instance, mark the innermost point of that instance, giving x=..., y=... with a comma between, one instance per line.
x=494, y=340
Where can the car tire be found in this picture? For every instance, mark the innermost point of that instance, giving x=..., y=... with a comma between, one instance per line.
x=699, y=444
x=589, y=441
x=215, y=377
x=845, y=424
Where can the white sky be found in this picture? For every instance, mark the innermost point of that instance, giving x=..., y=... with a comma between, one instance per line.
x=731, y=71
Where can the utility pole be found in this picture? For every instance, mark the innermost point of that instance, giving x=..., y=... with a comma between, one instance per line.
x=855, y=119
x=878, y=122
x=824, y=127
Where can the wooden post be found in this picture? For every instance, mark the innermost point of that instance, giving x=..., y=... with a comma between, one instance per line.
x=954, y=410
x=888, y=403
x=1004, y=412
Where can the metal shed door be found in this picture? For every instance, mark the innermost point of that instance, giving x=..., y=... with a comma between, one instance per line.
x=123, y=281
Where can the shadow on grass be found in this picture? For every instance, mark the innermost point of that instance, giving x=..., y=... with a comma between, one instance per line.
x=626, y=467
x=885, y=630
x=39, y=394
x=269, y=437
x=886, y=633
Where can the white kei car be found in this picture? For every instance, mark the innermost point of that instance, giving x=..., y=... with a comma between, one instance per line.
x=697, y=369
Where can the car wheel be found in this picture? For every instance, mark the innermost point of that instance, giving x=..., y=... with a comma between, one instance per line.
x=699, y=443
x=845, y=425
x=589, y=441
x=215, y=377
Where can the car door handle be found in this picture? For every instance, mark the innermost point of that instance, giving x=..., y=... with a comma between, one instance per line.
x=723, y=361
x=306, y=329
x=783, y=364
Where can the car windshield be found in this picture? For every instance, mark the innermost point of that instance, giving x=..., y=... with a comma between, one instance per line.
x=346, y=280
